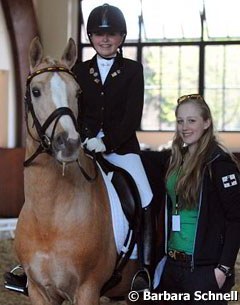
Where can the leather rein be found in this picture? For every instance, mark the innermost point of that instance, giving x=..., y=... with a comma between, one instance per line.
x=45, y=142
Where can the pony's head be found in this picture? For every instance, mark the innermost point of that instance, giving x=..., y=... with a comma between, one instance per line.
x=52, y=99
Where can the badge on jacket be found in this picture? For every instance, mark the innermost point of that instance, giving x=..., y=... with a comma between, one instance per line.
x=229, y=180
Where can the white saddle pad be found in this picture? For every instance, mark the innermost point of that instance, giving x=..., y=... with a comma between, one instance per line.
x=120, y=223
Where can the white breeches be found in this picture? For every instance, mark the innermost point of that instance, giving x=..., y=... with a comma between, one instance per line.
x=133, y=165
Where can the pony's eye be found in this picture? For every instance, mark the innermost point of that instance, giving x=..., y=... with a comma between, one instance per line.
x=36, y=92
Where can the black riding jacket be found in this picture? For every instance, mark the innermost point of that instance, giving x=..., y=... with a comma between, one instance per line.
x=115, y=106
x=217, y=237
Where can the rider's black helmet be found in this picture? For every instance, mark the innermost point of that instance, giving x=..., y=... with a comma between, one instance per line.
x=106, y=18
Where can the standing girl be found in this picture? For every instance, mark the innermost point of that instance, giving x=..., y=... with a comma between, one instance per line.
x=203, y=208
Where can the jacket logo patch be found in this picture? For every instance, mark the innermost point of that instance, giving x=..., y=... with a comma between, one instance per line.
x=229, y=180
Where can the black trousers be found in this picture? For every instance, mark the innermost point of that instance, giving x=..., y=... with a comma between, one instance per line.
x=199, y=285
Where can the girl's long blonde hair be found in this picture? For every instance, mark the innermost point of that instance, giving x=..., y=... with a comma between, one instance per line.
x=188, y=184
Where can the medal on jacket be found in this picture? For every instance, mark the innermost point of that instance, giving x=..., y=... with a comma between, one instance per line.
x=94, y=74
x=176, y=222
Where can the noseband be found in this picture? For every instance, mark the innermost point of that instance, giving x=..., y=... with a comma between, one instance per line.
x=45, y=143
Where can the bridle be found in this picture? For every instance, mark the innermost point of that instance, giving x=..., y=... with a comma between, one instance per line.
x=45, y=142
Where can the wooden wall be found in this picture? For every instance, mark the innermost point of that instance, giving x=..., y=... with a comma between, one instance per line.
x=11, y=181
x=22, y=27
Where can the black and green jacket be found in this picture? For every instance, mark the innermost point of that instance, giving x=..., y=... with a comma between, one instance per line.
x=217, y=237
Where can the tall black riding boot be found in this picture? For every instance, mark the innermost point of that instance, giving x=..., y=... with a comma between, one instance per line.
x=142, y=279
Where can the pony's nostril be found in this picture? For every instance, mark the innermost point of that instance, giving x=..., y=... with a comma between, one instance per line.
x=66, y=145
x=60, y=141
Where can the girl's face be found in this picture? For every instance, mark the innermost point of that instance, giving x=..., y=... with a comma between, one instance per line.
x=106, y=44
x=190, y=124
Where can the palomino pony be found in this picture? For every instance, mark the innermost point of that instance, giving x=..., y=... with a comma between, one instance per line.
x=64, y=236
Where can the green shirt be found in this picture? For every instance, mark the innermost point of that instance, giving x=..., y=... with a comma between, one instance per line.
x=182, y=240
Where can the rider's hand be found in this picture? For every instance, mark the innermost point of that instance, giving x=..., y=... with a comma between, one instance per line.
x=95, y=144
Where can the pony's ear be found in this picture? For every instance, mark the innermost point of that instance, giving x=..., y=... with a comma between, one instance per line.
x=35, y=53
x=69, y=56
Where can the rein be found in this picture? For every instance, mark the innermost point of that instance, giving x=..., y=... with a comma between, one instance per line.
x=84, y=173
x=45, y=142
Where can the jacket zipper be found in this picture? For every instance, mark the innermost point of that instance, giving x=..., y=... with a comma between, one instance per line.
x=199, y=211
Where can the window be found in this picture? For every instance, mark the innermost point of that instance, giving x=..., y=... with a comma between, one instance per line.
x=185, y=47
x=164, y=81
x=222, y=85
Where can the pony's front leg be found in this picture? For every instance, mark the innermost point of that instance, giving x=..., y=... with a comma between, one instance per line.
x=87, y=295
x=37, y=297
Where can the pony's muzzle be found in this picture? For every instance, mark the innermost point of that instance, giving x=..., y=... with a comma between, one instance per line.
x=65, y=148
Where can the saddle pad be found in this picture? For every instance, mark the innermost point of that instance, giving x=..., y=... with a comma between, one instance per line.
x=120, y=223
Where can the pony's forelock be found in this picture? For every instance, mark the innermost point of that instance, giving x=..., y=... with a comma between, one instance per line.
x=50, y=61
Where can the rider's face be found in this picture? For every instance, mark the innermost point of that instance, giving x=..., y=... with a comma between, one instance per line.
x=106, y=44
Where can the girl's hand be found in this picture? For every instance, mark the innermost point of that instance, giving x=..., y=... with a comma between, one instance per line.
x=220, y=277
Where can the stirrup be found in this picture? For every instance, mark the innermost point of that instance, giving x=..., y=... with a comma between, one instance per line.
x=14, y=282
x=141, y=281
